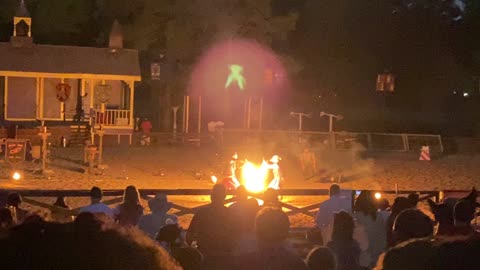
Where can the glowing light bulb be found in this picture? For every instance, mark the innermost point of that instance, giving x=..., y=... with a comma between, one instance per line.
x=16, y=176
x=378, y=195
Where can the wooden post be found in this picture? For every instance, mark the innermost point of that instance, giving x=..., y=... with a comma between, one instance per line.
x=260, y=119
x=5, y=96
x=37, y=109
x=187, y=113
x=184, y=113
x=42, y=96
x=92, y=94
x=44, y=135
x=249, y=112
x=100, y=133
x=199, y=114
x=369, y=141
x=132, y=99
x=245, y=113
x=62, y=110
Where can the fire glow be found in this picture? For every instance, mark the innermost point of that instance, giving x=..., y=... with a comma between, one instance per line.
x=254, y=176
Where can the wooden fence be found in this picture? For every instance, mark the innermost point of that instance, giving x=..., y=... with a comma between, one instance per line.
x=180, y=210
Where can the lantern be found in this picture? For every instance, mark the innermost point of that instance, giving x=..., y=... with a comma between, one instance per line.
x=155, y=71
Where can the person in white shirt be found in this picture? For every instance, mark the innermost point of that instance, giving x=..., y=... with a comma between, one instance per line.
x=96, y=206
x=327, y=209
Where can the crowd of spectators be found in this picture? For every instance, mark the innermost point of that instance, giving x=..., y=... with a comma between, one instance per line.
x=362, y=234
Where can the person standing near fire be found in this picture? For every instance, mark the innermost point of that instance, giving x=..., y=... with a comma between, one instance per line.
x=146, y=126
x=308, y=163
x=275, y=183
x=234, y=166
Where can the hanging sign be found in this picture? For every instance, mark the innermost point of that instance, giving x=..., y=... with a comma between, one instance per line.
x=386, y=82
x=63, y=91
x=15, y=151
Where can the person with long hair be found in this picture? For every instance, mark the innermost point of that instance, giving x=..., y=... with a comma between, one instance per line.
x=345, y=248
x=57, y=214
x=372, y=228
x=129, y=212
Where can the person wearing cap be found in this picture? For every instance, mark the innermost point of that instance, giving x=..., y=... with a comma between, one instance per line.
x=152, y=223
x=97, y=206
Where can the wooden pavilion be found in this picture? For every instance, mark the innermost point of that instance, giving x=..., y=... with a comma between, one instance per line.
x=62, y=85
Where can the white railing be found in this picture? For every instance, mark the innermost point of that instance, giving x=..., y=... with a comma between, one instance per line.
x=340, y=140
x=111, y=117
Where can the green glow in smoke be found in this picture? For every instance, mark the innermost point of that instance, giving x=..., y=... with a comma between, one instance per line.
x=236, y=75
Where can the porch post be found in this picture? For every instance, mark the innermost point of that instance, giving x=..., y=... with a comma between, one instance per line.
x=131, y=84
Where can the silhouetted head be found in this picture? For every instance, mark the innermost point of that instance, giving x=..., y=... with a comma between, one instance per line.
x=411, y=255
x=87, y=222
x=241, y=193
x=159, y=204
x=464, y=212
x=383, y=204
x=365, y=204
x=443, y=212
x=130, y=196
x=271, y=227
x=334, y=190
x=218, y=194
x=413, y=199
x=6, y=219
x=66, y=246
x=60, y=202
x=457, y=253
x=343, y=227
x=411, y=224
x=400, y=204
x=321, y=258
x=14, y=200
x=96, y=194
x=169, y=233
x=270, y=197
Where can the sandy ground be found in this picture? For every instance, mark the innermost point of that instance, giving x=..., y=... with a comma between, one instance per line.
x=191, y=167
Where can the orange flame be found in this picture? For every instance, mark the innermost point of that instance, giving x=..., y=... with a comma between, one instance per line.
x=254, y=176
x=214, y=179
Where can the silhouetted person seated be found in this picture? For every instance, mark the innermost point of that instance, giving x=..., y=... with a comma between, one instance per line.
x=189, y=258
x=169, y=237
x=153, y=222
x=457, y=253
x=345, y=248
x=463, y=214
x=129, y=212
x=321, y=258
x=411, y=224
x=413, y=198
x=417, y=254
x=427, y=254
x=246, y=241
x=71, y=246
x=96, y=205
x=443, y=213
x=213, y=231
x=272, y=229
x=14, y=200
x=59, y=215
x=6, y=221
x=400, y=204
x=270, y=198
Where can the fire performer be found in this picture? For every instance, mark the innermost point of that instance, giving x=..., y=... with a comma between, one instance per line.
x=308, y=163
x=234, y=165
x=275, y=183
